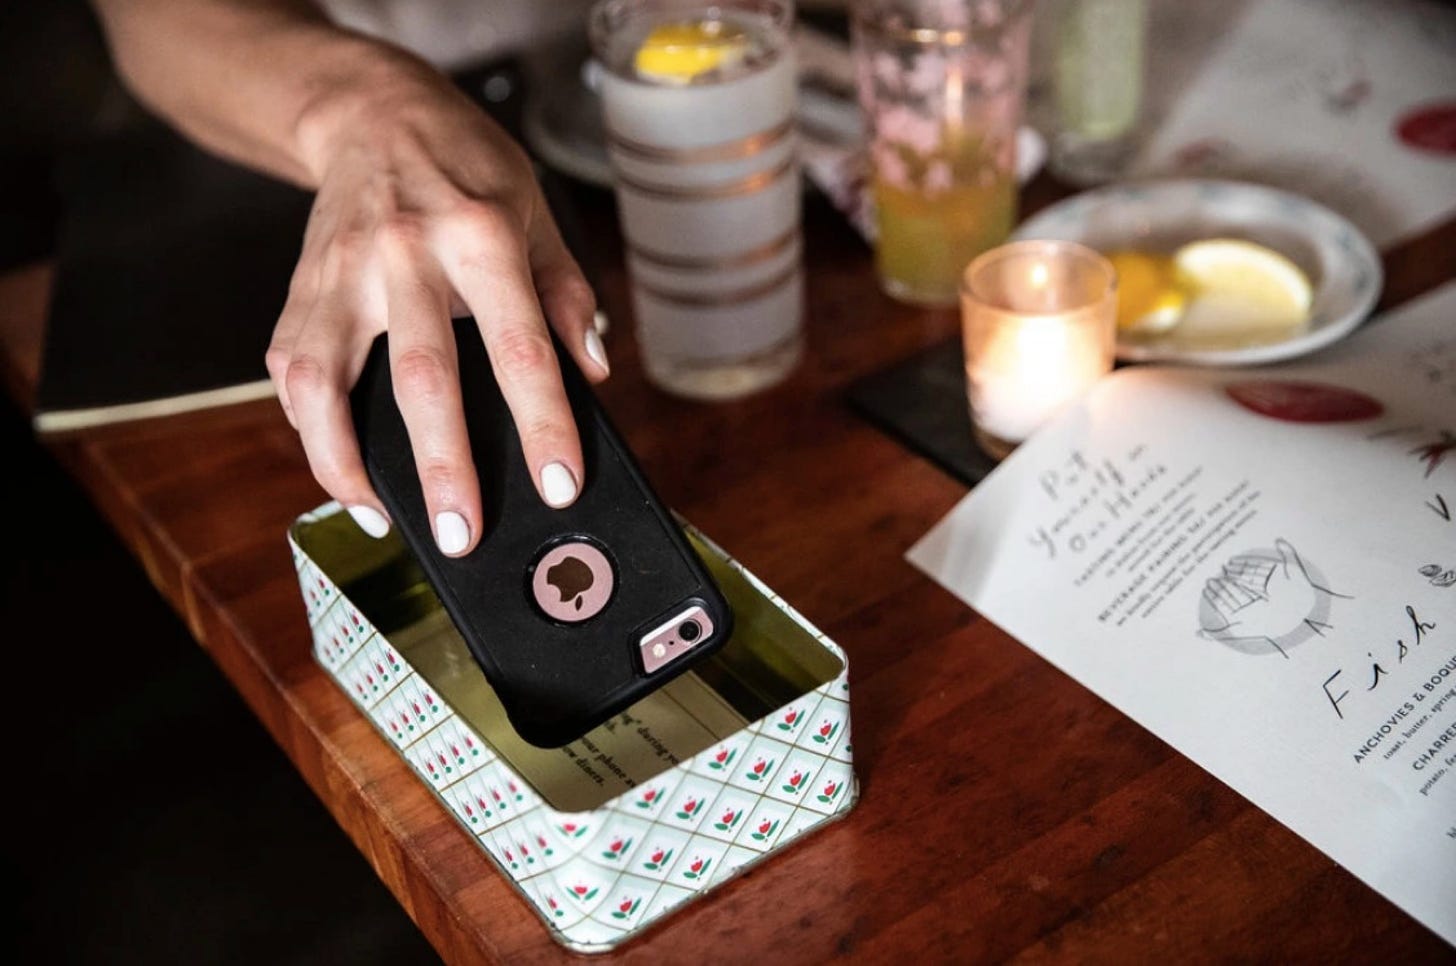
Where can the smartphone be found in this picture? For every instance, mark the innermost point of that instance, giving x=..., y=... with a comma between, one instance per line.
x=572, y=614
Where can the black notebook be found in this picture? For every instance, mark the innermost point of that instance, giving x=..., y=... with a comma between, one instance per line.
x=171, y=269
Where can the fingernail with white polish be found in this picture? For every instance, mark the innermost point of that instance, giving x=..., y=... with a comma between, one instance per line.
x=452, y=533
x=370, y=520
x=558, y=486
x=600, y=322
x=596, y=350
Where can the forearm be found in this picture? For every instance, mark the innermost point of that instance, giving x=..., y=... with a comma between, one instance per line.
x=267, y=83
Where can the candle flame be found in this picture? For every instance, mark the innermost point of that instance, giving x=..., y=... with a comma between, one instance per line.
x=1039, y=275
x=1045, y=362
x=1026, y=372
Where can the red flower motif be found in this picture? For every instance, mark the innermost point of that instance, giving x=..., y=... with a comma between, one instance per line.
x=728, y=817
x=721, y=756
x=569, y=828
x=831, y=788
x=691, y=805
x=626, y=905
x=795, y=778
x=650, y=796
x=791, y=717
x=697, y=865
x=658, y=856
x=615, y=846
x=825, y=728
x=580, y=890
x=763, y=827
x=759, y=766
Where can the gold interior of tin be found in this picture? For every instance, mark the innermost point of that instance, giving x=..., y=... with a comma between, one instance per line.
x=770, y=661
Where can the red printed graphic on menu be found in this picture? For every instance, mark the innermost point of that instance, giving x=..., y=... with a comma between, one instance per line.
x=1303, y=402
x=1431, y=127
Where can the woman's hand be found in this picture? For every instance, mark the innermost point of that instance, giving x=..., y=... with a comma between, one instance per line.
x=427, y=210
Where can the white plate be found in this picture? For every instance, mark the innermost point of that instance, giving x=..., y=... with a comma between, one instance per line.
x=1342, y=265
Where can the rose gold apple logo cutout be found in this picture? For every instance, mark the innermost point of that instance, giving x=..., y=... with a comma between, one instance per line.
x=573, y=582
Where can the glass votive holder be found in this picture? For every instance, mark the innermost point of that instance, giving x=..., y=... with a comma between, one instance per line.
x=1039, y=321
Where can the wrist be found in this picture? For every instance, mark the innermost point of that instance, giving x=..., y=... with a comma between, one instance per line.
x=360, y=82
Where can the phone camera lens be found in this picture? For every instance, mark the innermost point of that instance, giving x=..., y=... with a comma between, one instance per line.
x=689, y=631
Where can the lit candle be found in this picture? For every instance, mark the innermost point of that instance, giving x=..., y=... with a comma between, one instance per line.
x=1039, y=321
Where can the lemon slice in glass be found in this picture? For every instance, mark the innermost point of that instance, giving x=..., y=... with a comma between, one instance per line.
x=678, y=53
x=1241, y=291
x=1150, y=298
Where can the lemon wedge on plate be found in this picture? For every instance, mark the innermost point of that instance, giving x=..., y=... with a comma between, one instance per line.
x=1240, y=292
x=677, y=53
x=1150, y=297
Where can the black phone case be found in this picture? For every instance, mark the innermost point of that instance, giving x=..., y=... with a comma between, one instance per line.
x=556, y=680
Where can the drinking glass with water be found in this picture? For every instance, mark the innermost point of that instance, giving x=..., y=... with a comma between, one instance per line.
x=699, y=108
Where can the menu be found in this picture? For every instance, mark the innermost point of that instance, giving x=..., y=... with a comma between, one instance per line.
x=1259, y=566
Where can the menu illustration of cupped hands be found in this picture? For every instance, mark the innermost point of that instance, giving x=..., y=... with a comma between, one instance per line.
x=1266, y=600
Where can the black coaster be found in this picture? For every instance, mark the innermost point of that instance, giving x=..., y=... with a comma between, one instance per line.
x=921, y=402
x=171, y=269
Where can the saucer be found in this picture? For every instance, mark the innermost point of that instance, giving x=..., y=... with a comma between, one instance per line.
x=1341, y=263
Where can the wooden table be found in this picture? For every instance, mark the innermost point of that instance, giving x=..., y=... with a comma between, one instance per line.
x=1006, y=811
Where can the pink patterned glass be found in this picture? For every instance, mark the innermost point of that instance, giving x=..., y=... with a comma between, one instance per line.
x=942, y=85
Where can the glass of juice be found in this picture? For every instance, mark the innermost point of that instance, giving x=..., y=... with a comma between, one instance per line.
x=699, y=105
x=942, y=86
